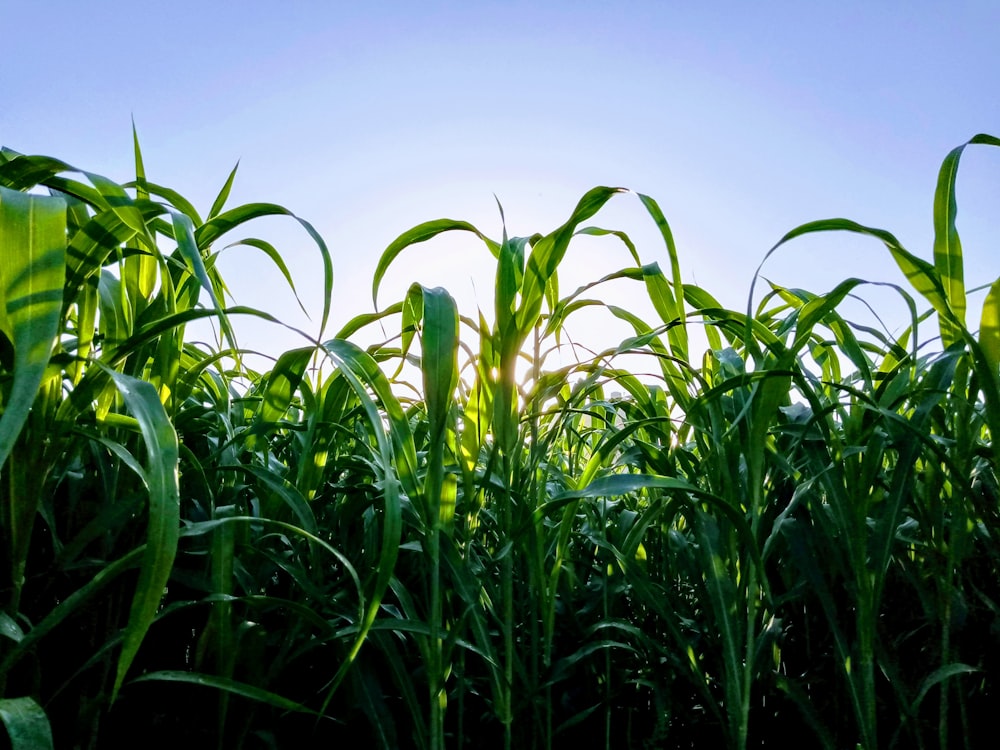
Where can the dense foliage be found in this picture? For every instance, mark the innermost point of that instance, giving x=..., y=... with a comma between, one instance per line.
x=792, y=532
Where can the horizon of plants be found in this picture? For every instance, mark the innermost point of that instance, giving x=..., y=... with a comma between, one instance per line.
x=446, y=540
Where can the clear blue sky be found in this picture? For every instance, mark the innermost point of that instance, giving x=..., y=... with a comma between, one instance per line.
x=742, y=119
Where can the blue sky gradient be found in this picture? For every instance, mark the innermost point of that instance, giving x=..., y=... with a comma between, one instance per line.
x=743, y=120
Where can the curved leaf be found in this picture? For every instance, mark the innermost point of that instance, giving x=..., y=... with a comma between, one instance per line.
x=421, y=233
x=163, y=529
x=26, y=723
x=947, y=246
x=230, y=686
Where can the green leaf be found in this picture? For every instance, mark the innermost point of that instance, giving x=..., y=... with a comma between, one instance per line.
x=548, y=252
x=989, y=327
x=218, y=225
x=174, y=198
x=20, y=172
x=439, y=361
x=439, y=365
x=398, y=456
x=282, y=382
x=90, y=247
x=26, y=724
x=678, y=334
x=922, y=275
x=271, y=252
x=68, y=606
x=940, y=675
x=9, y=628
x=32, y=271
x=184, y=234
x=220, y=201
x=421, y=233
x=947, y=246
x=163, y=527
x=230, y=686
x=141, y=190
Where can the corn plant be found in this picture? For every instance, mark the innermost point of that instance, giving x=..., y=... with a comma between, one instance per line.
x=93, y=326
x=446, y=539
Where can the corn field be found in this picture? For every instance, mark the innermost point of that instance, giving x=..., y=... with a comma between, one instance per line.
x=786, y=526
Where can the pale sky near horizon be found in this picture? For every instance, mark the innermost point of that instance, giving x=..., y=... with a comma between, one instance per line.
x=743, y=120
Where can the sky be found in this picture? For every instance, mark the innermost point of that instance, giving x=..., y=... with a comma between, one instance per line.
x=743, y=120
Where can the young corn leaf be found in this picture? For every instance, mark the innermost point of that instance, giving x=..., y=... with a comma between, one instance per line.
x=220, y=201
x=220, y=224
x=547, y=254
x=922, y=276
x=947, y=246
x=421, y=233
x=163, y=528
x=675, y=311
x=184, y=234
x=32, y=271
